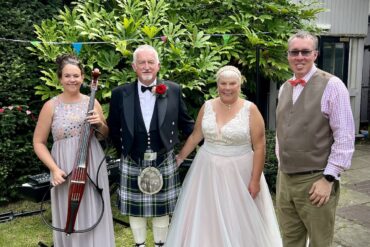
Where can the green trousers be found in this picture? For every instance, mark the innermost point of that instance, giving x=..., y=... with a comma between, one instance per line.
x=298, y=218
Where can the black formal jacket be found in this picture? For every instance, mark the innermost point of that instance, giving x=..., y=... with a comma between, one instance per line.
x=172, y=117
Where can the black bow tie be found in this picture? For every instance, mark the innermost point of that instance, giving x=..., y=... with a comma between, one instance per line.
x=143, y=88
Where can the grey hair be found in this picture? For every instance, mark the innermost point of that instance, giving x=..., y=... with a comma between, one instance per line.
x=147, y=48
x=304, y=35
x=229, y=71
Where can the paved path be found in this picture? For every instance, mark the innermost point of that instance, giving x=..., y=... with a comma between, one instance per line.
x=352, y=227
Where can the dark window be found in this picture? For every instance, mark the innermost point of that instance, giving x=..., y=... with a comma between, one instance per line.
x=333, y=56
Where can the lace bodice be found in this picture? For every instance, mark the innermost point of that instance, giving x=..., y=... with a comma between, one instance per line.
x=234, y=133
x=68, y=118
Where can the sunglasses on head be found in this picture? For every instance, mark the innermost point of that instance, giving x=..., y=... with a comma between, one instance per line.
x=304, y=53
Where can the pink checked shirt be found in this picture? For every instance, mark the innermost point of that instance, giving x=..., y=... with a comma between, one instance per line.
x=335, y=105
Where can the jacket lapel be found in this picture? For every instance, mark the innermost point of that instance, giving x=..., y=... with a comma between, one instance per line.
x=128, y=109
x=162, y=106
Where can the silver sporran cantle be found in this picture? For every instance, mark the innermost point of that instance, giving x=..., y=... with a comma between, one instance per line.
x=150, y=181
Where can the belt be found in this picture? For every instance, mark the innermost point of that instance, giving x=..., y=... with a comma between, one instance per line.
x=305, y=172
x=160, y=156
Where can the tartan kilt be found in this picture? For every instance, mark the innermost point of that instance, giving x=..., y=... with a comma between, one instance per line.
x=133, y=202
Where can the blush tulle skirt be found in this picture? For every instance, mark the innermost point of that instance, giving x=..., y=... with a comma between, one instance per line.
x=215, y=208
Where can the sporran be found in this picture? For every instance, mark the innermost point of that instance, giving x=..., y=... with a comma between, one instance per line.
x=150, y=180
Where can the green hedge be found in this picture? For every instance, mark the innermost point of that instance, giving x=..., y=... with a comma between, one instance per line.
x=194, y=38
x=271, y=163
x=18, y=160
x=19, y=73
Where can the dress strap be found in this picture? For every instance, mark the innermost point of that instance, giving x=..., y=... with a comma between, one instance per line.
x=56, y=102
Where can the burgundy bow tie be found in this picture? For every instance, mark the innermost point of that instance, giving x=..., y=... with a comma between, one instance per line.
x=297, y=81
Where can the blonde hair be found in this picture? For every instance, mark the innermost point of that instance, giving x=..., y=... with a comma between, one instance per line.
x=229, y=71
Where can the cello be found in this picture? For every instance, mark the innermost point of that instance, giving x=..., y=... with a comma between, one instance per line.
x=79, y=175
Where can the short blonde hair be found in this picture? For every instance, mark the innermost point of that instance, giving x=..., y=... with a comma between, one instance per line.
x=229, y=71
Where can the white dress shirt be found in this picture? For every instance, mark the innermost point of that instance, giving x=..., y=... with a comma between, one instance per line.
x=147, y=102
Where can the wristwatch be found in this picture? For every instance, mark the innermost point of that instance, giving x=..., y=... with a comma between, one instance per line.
x=329, y=178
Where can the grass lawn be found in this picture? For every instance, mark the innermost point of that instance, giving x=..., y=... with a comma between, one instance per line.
x=28, y=231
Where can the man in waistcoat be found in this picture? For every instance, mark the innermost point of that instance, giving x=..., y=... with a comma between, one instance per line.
x=315, y=142
x=144, y=122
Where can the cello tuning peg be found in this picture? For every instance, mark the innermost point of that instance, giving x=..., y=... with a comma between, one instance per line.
x=96, y=72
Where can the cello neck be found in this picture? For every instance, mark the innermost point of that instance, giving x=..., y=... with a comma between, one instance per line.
x=86, y=127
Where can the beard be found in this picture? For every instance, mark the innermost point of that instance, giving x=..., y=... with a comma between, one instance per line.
x=147, y=77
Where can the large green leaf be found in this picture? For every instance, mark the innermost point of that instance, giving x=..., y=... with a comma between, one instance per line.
x=108, y=60
x=150, y=31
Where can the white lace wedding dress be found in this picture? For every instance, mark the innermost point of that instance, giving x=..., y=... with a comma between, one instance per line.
x=215, y=208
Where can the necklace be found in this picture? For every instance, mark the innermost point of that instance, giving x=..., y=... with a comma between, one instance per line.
x=228, y=106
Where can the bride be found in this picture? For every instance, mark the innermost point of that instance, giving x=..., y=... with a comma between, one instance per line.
x=225, y=201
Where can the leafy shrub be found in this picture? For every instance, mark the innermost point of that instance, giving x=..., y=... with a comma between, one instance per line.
x=19, y=73
x=191, y=37
x=17, y=157
x=271, y=163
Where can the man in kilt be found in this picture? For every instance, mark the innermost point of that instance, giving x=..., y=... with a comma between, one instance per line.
x=144, y=121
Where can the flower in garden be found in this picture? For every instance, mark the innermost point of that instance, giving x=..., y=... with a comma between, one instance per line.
x=164, y=39
x=19, y=108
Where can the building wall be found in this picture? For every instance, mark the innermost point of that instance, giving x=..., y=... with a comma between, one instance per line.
x=349, y=18
x=355, y=68
x=345, y=17
x=365, y=92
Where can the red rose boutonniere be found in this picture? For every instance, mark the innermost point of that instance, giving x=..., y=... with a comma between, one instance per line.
x=160, y=90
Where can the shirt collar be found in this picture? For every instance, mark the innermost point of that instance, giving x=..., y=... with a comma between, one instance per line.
x=139, y=84
x=310, y=73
